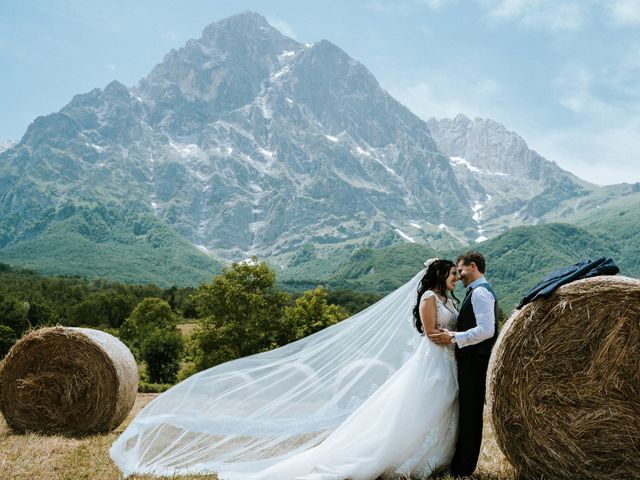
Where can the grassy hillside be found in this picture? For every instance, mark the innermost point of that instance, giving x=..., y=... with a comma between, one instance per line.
x=516, y=260
x=99, y=242
x=363, y=269
x=618, y=225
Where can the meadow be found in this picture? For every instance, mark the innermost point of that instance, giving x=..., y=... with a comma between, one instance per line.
x=40, y=457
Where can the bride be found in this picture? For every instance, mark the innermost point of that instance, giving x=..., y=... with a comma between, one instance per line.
x=358, y=400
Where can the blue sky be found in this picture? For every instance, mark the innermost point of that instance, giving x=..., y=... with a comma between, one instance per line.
x=563, y=74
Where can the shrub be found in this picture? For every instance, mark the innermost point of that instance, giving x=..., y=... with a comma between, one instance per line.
x=7, y=338
x=161, y=351
x=145, y=387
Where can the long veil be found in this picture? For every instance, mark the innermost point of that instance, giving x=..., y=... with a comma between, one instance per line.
x=244, y=415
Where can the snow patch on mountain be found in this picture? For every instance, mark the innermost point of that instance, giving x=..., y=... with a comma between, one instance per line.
x=267, y=153
x=362, y=152
x=186, y=150
x=205, y=250
x=404, y=235
x=97, y=148
x=462, y=161
x=477, y=212
x=7, y=144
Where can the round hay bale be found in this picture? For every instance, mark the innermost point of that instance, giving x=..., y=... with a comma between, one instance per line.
x=70, y=381
x=564, y=383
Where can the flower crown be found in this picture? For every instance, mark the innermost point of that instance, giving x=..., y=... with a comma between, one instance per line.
x=430, y=261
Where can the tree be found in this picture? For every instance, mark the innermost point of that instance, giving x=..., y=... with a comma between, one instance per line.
x=161, y=351
x=14, y=314
x=352, y=302
x=311, y=313
x=104, y=309
x=240, y=313
x=152, y=334
x=40, y=314
x=7, y=338
x=150, y=315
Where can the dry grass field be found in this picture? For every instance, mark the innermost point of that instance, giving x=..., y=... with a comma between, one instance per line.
x=40, y=457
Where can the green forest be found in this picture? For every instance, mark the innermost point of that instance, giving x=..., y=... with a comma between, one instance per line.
x=175, y=332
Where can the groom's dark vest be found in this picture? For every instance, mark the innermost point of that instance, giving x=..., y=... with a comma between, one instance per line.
x=467, y=320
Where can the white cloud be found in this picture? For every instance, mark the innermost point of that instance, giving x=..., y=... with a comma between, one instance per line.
x=601, y=155
x=554, y=15
x=421, y=100
x=563, y=15
x=282, y=26
x=111, y=67
x=397, y=8
x=407, y=7
x=509, y=8
x=624, y=12
x=601, y=91
x=446, y=96
x=434, y=4
x=574, y=87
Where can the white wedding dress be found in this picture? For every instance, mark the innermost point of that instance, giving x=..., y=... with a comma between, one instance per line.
x=277, y=418
x=407, y=428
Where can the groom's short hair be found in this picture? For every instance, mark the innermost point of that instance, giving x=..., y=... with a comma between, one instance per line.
x=475, y=257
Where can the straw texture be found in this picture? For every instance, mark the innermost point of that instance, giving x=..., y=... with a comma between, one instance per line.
x=564, y=383
x=70, y=381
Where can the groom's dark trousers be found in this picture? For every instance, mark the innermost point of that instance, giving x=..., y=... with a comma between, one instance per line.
x=473, y=362
x=472, y=373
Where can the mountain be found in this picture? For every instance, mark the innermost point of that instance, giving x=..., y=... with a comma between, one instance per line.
x=510, y=184
x=246, y=142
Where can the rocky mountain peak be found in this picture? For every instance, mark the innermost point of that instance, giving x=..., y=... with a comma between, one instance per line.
x=488, y=145
x=116, y=90
x=248, y=24
x=224, y=68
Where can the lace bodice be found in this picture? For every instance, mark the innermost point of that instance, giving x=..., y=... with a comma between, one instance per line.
x=446, y=314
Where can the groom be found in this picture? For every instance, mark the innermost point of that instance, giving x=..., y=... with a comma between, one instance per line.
x=476, y=334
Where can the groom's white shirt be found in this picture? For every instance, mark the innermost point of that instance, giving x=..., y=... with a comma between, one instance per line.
x=482, y=302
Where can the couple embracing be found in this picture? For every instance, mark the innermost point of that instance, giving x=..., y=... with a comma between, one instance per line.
x=428, y=415
x=475, y=333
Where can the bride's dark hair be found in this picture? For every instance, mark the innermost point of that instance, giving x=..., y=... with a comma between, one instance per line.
x=434, y=279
